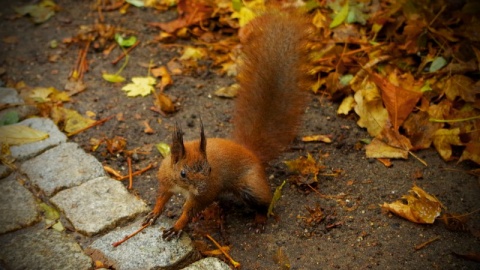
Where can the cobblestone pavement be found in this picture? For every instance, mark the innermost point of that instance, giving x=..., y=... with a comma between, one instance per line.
x=59, y=174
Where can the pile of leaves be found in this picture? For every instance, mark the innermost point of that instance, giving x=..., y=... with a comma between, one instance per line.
x=407, y=69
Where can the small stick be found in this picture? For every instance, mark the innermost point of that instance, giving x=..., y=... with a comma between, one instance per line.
x=130, y=176
x=118, y=243
x=99, y=122
x=422, y=245
x=124, y=53
x=234, y=263
x=112, y=171
x=136, y=173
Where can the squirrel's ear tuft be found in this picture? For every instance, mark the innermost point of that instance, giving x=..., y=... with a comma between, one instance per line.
x=178, y=149
x=203, y=140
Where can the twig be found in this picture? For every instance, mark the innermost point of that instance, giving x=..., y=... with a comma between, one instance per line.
x=130, y=176
x=118, y=243
x=99, y=122
x=422, y=245
x=326, y=196
x=136, y=172
x=233, y=262
x=124, y=53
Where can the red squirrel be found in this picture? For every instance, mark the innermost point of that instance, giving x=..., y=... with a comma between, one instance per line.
x=268, y=110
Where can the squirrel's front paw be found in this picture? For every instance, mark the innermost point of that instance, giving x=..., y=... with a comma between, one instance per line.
x=150, y=218
x=170, y=233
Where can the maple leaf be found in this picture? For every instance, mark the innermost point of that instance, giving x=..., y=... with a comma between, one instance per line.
x=389, y=144
x=141, y=86
x=420, y=206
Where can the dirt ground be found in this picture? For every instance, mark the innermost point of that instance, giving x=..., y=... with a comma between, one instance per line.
x=356, y=234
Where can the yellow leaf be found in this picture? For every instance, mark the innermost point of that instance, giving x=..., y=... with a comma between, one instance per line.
x=369, y=107
x=113, y=78
x=304, y=166
x=140, y=86
x=443, y=139
x=228, y=91
x=348, y=103
x=379, y=149
x=192, y=53
x=276, y=196
x=19, y=134
x=471, y=152
x=420, y=206
x=75, y=121
x=41, y=94
x=317, y=138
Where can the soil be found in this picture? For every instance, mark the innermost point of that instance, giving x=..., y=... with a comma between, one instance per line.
x=355, y=233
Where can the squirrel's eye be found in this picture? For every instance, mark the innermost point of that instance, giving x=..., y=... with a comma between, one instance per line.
x=183, y=174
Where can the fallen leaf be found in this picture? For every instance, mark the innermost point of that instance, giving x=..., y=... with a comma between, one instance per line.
x=74, y=121
x=276, y=196
x=228, y=92
x=113, y=78
x=305, y=166
x=369, y=107
x=148, y=129
x=398, y=101
x=471, y=152
x=163, y=148
x=460, y=86
x=348, y=103
x=443, y=139
x=420, y=207
x=140, y=86
x=317, y=138
x=20, y=134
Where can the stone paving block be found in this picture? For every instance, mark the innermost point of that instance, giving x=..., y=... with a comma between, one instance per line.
x=209, y=263
x=9, y=96
x=98, y=205
x=146, y=250
x=29, y=150
x=42, y=249
x=62, y=167
x=18, y=208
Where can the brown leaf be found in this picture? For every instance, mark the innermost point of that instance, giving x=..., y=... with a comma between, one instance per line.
x=398, y=101
x=471, y=152
x=421, y=207
x=460, y=86
x=190, y=12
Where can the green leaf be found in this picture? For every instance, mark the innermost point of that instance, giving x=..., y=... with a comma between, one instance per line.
x=50, y=212
x=136, y=3
x=125, y=42
x=9, y=118
x=276, y=196
x=113, y=78
x=340, y=17
x=163, y=148
x=437, y=64
x=345, y=79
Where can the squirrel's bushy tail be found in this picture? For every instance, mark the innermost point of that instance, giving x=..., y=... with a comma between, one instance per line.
x=273, y=81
